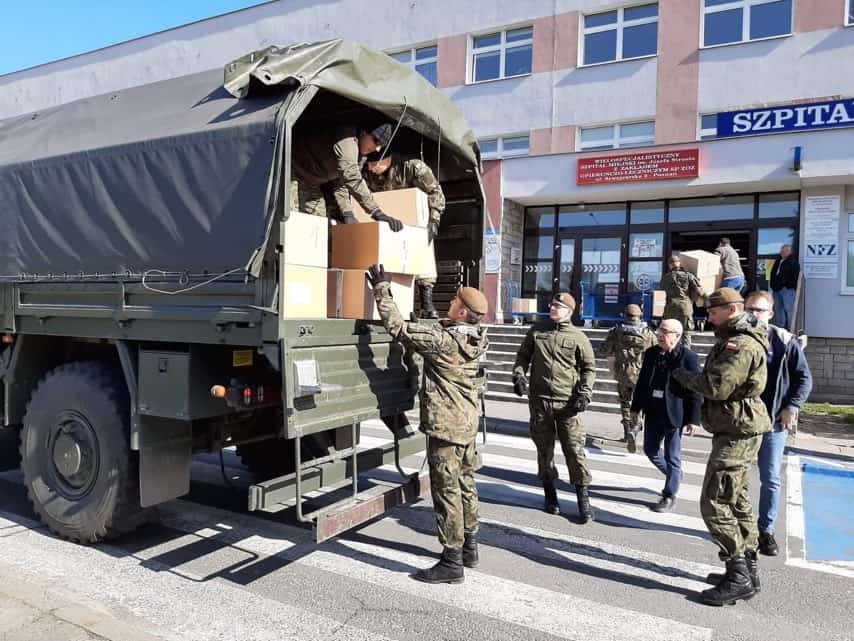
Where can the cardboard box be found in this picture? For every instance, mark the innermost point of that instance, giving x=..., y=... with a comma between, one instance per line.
x=364, y=244
x=524, y=306
x=709, y=284
x=407, y=205
x=306, y=240
x=304, y=292
x=659, y=299
x=701, y=263
x=349, y=295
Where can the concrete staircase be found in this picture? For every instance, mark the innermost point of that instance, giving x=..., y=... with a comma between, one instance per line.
x=505, y=340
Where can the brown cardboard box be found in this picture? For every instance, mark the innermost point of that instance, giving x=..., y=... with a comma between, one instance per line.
x=659, y=299
x=709, y=284
x=304, y=292
x=306, y=240
x=701, y=263
x=349, y=296
x=524, y=305
x=364, y=244
x=407, y=205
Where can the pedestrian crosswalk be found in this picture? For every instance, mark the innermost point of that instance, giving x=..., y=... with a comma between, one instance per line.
x=209, y=573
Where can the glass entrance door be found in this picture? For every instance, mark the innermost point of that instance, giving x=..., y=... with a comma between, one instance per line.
x=601, y=271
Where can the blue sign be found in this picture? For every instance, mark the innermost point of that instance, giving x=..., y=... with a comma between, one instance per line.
x=806, y=117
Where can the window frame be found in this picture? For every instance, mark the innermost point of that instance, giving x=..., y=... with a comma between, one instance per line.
x=500, y=153
x=616, y=138
x=849, y=13
x=501, y=47
x=847, y=237
x=744, y=6
x=619, y=26
x=413, y=61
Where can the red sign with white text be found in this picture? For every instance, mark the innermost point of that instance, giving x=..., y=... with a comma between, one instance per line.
x=652, y=165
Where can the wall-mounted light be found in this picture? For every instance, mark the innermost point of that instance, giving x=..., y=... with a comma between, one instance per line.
x=796, y=160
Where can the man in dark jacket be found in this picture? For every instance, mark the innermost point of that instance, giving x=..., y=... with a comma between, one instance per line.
x=563, y=369
x=667, y=407
x=784, y=281
x=789, y=385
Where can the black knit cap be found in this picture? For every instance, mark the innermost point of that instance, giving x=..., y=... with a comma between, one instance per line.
x=382, y=134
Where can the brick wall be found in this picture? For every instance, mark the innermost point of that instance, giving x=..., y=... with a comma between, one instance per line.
x=512, y=222
x=832, y=364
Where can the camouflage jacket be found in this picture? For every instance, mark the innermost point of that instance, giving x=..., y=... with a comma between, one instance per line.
x=733, y=379
x=404, y=174
x=626, y=343
x=451, y=388
x=681, y=286
x=331, y=157
x=561, y=359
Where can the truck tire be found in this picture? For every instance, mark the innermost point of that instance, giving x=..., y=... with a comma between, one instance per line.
x=81, y=476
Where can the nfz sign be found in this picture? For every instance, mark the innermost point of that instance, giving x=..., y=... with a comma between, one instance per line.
x=816, y=115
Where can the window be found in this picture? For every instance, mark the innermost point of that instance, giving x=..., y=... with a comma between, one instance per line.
x=848, y=283
x=504, y=54
x=648, y=213
x=711, y=209
x=504, y=147
x=849, y=14
x=592, y=215
x=621, y=34
x=539, y=253
x=729, y=21
x=635, y=134
x=780, y=205
x=708, y=127
x=422, y=59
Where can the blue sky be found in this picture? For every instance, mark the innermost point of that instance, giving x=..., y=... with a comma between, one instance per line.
x=33, y=32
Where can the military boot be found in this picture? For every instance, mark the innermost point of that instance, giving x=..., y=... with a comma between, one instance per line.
x=584, y=510
x=449, y=569
x=428, y=310
x=631, y=437
x=551, y=505
x=471, y=559
x=735, y=585
x=627, y=427
x=752, y=567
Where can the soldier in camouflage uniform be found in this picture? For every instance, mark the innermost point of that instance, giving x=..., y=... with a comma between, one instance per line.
x=681, y=288
x=393, y=172
x=450, y=411
x=732, y=382
x=327, y=171
x=626, y=344
x=563, y=369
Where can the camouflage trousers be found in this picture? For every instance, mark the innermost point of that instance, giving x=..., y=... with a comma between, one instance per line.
x=683, y=311
x=453, y=489
x=314, y=200
x=625, y=391
x=557, y=418
x=725, y=498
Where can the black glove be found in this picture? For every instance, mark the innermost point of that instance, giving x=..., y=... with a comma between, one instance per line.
x=432, y=230
x=347, y=218
x=580, y=404
x=520, y=385
x=381, y=217
x=376, y=275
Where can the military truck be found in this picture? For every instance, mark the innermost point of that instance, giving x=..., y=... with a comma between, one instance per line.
x=142, y=279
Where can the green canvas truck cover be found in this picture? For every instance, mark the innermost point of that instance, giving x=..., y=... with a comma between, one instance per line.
x=177, y=175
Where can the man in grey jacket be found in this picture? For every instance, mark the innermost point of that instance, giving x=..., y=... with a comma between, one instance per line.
x=731, y=273
x=789, y=385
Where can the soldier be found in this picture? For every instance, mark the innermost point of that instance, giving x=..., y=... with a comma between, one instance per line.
x=625, y=344
x=732, y=382
x=563, y=369
x=450, y=411
x=681, y=288
x=397, y=173
x=327, y=170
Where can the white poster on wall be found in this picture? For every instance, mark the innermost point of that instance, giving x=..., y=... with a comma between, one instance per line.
x=492, y=252
x=821, y=237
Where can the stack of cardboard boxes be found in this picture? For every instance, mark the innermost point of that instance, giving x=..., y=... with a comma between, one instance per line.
x=704, y=265
x=319, y=283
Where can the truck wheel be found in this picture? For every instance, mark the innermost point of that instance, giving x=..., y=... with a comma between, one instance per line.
x=80, y=474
